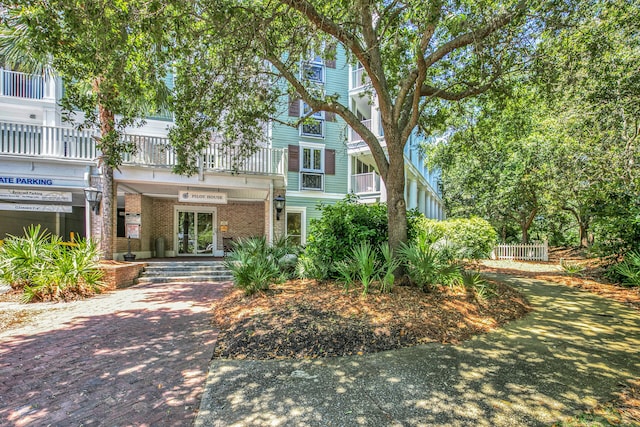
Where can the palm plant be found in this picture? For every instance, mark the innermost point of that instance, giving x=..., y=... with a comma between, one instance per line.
x=629, y=269
x=364, y=259
x=21, y=257
x=253, y=266
x=427, y=267
x=389, y=265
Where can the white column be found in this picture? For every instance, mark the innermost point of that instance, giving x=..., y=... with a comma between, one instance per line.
x=413, y=194
x=432, y=209
x=421, y=194
x=349, y=172
x=49, y=88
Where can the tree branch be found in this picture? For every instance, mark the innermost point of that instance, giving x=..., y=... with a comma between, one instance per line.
x=479, y=34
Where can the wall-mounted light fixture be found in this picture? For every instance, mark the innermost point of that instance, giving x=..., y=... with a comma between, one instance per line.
x=94, y=197
x=278, y=201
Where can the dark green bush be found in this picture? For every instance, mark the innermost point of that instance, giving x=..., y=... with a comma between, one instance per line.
x=342, y=227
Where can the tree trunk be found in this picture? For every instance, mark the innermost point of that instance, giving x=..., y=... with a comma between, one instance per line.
x=525, y=224
x=584, y=235
x=106, y=238
x=586, y=239
x=396, y=205
x=107, y=121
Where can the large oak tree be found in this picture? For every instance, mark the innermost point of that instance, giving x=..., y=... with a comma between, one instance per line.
x=240, y=56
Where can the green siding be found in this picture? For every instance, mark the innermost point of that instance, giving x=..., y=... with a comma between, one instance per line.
x=335, y=133
x=311, y=205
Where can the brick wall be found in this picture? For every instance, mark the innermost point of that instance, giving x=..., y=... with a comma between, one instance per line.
x=244, y=219
x=120, y=275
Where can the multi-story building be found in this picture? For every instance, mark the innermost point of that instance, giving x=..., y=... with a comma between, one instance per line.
x=45, y=167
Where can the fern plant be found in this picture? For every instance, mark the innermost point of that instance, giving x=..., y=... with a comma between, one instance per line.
x=21, y=257
x=364, y=259
x=389, y=265
x=428, y=267
x=629, y=269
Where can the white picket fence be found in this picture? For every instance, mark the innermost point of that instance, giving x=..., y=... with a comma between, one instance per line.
x=530, y=252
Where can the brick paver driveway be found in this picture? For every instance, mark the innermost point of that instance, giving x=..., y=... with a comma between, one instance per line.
x=137, y=356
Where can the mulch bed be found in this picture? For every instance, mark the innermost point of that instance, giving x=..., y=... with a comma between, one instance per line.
x=307, y=319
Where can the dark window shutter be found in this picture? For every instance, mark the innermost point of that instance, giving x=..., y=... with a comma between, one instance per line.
x=330, y=162
x=294, y=106
x=294, y=158
x=330, y=116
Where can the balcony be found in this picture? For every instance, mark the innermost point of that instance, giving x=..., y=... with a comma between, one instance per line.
x=48, y=142
x=359, y=78
x=365, y=183
x=355, y=136
x=21, y=85
x=219, y=158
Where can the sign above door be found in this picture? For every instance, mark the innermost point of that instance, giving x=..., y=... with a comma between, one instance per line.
x=202, y=197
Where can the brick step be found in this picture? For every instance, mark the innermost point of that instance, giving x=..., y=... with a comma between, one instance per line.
x=180, y=279
x=184, y=271
x=161, y=271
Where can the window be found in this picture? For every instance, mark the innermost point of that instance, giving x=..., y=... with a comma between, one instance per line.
x=312, y=167
x=313, y=70
x=312, y=159
x=314, y=125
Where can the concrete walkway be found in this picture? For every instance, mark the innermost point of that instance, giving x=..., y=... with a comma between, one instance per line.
x=575, y=349
x=134, y=357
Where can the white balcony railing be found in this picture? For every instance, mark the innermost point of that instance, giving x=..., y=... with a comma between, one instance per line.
x=157, y=152
x=359, y=78
x=355, y=136
x=21, y=85
x=365, y=183
x=67, y=143
x=46, y=141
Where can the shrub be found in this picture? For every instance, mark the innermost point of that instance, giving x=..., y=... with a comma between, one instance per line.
x=46, y=269
x=427, y=266
x=571, y=269
x=389, y=265
x=628, y=271
x=66, y=273
x=468, y=237
x=342, y=227
x=253, y=265
x=21, y=256
x=310, y=268
x=364, y=260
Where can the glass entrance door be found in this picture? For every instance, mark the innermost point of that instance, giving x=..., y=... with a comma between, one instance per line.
x=196, y=233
